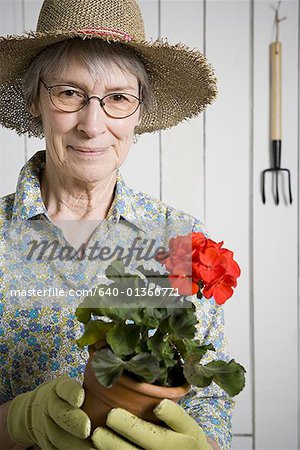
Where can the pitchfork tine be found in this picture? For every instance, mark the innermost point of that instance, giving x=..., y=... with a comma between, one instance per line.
x=276, y=188
x=276, y=170
x=263, y=189
x=290, y=188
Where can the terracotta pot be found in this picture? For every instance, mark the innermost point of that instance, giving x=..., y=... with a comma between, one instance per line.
x=137, y=397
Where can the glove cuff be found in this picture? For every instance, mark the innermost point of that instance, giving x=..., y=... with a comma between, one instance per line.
x=17, y=423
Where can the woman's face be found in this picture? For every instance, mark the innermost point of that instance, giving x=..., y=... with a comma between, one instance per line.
x=87, y=145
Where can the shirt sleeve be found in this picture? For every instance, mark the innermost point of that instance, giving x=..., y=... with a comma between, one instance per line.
x=211, y=407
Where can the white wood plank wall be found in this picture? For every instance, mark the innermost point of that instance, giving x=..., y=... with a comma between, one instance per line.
x=211, y=168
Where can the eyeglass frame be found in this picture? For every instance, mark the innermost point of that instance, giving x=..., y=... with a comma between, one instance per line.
x=48, y=88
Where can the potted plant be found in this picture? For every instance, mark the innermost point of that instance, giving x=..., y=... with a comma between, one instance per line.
x=141, y=330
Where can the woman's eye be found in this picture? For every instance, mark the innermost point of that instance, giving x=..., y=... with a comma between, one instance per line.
x=71, y=93
x=118, y=97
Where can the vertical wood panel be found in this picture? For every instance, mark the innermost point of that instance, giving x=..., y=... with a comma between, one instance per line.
x=298, y=225
x=227, y=173
x=11, y=145
x=182, y=146
x=141, y=169
x=242, y=443
x=275, y=237
x=11, y=17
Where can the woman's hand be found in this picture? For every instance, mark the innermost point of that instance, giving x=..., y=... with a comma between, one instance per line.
x=50, y=416
x=183, y=432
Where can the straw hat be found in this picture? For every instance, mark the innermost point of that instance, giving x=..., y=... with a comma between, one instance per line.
x=182, y=81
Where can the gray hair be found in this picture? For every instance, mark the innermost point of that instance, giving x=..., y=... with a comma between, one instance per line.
x=97, y=55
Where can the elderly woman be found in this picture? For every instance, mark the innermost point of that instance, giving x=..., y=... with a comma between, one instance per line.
x=88, y=81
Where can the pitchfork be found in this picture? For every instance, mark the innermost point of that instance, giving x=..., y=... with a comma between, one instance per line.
x=276, y=129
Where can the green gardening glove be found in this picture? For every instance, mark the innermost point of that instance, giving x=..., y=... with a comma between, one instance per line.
x=185, y=433
x=50, y=417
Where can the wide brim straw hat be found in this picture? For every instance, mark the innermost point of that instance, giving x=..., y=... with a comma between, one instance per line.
x=182, y=81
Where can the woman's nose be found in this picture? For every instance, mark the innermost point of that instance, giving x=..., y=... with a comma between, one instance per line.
x=92, y=120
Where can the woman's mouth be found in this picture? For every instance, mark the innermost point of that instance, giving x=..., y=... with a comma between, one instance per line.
x=88, y=152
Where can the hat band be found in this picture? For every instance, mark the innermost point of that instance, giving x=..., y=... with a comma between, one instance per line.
x=97, y=31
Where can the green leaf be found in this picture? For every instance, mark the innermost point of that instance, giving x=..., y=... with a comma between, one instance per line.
x=182, y=323
x=91, y=305
x=83, y=314
x=193, y=350
x=167, y=297
x=117, y=314
x=149, y=318
x=155, y=277
x=95, y=331
x=116, y=272
x=229, y=376
x=123, y=338
x=107, y=367
x=163, y=377
x=197, y=374
x=136, y=315
x=161, y=349
x=145, y=366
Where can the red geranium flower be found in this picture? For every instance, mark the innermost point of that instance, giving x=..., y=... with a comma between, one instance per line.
x=181, y=279
x=199, y=265
x=221, y=290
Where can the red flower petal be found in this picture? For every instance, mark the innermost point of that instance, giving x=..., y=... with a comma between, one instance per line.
x=221, y=290
x=211, y=274
x=212, y=257
x=232, y=266
x=184, y=285
x=198, y=241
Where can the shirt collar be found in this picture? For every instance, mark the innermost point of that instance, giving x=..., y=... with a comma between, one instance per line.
x=28, y=203
x=28, y=200
x=128, y=205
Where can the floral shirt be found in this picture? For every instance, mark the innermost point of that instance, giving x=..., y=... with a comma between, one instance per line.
x=38, y=334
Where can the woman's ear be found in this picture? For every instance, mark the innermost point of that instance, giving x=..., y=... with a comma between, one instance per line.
x=34, y=110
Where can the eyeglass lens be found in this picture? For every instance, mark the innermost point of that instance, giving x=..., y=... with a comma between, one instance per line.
x=71, y=99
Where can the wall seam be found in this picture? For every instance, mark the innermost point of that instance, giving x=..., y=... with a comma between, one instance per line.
x=298, y=225
x=160, y=132
x=243, y=435
x=251, y=212
x=204, y=121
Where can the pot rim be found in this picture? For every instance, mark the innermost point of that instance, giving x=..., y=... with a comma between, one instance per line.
x=154, y=390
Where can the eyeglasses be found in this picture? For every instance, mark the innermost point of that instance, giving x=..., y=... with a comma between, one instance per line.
x=117, y=105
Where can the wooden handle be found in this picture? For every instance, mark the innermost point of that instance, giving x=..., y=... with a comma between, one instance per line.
x=276, y=91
